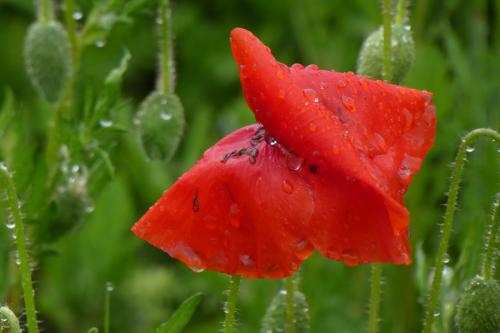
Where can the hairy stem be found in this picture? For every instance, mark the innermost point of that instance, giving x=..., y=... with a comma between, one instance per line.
x=11, y=318
x=456, y=177
x=401, y=12
x=387, y=11
x=489, y=250
x=290, y=305
x=45, y=10
x=375, y=288
x=166, y=56
x=14, y=212
x=230, y=306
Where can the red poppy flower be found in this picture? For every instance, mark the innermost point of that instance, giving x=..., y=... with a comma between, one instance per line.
x=329, y=172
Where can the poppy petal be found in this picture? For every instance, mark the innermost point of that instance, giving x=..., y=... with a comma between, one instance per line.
x=372, y=131
x=240, y=210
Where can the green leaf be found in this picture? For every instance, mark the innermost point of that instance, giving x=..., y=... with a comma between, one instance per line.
x=181, y=316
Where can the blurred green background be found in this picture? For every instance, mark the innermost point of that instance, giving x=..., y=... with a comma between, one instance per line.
x=457, y=58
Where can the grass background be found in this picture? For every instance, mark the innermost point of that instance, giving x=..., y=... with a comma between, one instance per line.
x=457, y=58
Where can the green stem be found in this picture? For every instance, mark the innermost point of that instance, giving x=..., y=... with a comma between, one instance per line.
x=290, y=305
x=387, y=11
x=456, y=177
x=15, y=214
x=376, y=277
x=489, y=250
x=401, y=13
x=11, y=318
x=107, y=306
x=166, y=55
x=230, y=306
x=70, y=23
x=45, y=10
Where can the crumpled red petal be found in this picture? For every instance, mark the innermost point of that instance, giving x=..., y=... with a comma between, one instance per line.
x=370, y=131
x=231, y=215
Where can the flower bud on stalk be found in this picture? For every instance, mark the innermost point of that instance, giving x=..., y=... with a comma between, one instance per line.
x=274, y=320
x=47, y=56
x=71, y=205
x=479, y=307
x=370, y=62
x=160, y=123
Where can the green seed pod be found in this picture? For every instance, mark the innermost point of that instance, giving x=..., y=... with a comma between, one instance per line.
x=479, y=307
x=47, y=56
x=370, y=61
x=70, y=206
x=160, y=123
x=274, y=320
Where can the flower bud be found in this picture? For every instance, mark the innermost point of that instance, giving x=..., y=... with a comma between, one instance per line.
x=160, y=123
x=47, y=56
x=274, y=320
x=70, y=206
x=479, y=307
x=371, y=57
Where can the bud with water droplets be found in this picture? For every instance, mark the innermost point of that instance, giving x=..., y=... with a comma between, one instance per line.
x=70, y=206
x=370, y=61
x=479, y=307
x=160, y=123
x=274, y=320
x=47, y=56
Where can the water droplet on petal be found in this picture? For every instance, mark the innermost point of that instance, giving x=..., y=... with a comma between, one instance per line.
x=349, y=103
x=281, y=93
x=312, y=127
x=312, y=67
x=294, y=162
x=287, y=187
x=273, y=142
x=341, y=83
x=280, y=74
x=246, y=260
x=297, y=66
x=311, y=95
x=234, y=215
x=196, y=269
x=408, y=119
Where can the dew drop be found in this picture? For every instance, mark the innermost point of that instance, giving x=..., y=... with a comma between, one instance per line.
x=302, y=250
x=297, y=67
x=246, y=260
x=312, y=127
x=312, y=67
x=273, y=142
x=341, y=83
x=281, y=93
x=470, y=149
x=10, y=225
x=280, y=74
x=408, y=118
x=287, y=187
x=311, y=95
x=100, y=43
x=77, y=16
x=196, y=269
x=234, y=212
x=165, y=116
x=349, y=103
x=105, y=123
x=109, y=287
x=293, y=162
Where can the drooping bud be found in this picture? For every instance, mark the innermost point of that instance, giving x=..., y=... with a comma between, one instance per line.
x=371, y=57
x=274, y=320
x=47, y=56
x=70, y=205
x=479, y=307
x=160, y=124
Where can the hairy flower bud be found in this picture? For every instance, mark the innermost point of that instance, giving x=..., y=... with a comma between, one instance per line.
x=47, y=56
x=160, y=123
x=274, y=320
x=370, y=62
x=479, y=307
x=70, y=206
